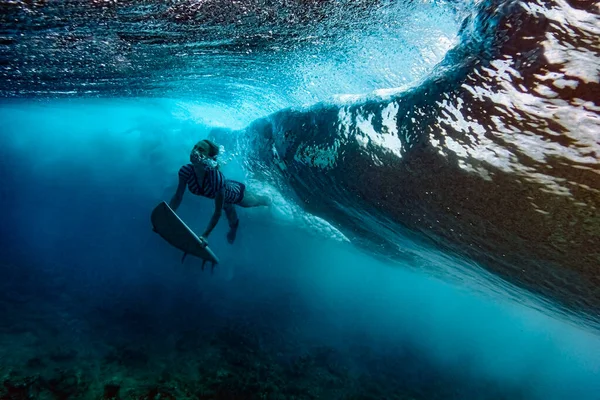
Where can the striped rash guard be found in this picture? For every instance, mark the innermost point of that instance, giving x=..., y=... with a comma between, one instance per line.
x=212, y=183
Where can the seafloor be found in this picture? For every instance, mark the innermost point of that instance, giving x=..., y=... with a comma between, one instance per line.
x=148, y=341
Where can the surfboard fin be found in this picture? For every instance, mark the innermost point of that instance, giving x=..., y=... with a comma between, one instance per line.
x=183, y=258
x=203, y=264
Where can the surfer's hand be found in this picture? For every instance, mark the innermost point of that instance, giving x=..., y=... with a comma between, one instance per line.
x=203, y=240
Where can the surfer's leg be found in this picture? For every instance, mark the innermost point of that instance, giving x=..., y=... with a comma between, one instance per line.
x=231, y=214
x=252, y=199
x=233, y=220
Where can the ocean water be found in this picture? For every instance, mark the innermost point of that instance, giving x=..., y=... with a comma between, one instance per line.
x=434, y=172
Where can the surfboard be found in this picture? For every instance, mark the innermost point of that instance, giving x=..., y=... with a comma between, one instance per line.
x=172, y=229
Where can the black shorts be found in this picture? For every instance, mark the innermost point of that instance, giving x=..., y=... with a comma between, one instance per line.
x=234, y=192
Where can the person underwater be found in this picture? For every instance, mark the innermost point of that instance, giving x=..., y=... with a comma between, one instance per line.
x=203, y=178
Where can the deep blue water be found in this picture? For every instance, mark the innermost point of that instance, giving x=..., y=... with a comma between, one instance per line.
x=434, y=171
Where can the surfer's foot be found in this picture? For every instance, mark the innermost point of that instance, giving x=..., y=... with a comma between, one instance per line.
x=232, y=232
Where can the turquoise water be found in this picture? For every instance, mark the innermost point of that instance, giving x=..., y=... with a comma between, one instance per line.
x=432, y=234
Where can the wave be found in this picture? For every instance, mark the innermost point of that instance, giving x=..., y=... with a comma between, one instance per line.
x=493, y=158
x=487, y=148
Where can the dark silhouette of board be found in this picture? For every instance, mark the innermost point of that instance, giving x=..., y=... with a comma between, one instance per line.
x=171, y=228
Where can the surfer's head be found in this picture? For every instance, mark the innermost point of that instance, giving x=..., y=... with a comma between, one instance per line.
x=204, y=151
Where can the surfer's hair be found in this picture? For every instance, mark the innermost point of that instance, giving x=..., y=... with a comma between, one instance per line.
x=213, y=149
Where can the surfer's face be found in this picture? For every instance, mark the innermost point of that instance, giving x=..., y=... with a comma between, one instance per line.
x=200, y=156
x=199, y=153
x=202, y=149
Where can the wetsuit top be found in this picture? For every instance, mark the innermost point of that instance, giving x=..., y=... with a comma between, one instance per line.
x=212, y=183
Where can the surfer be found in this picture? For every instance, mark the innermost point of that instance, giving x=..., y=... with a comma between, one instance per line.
x=203, y=178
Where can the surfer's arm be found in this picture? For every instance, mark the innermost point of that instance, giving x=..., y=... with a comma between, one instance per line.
x=176, y=200
x=219, y=201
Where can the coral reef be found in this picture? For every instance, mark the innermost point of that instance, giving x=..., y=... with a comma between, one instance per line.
x=60, y=343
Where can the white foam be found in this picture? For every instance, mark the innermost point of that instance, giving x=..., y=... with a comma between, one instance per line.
x=285, y=212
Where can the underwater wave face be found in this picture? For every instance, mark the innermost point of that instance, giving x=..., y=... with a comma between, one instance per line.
x=491, y=155
x=494, y=158
x=245, y=59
